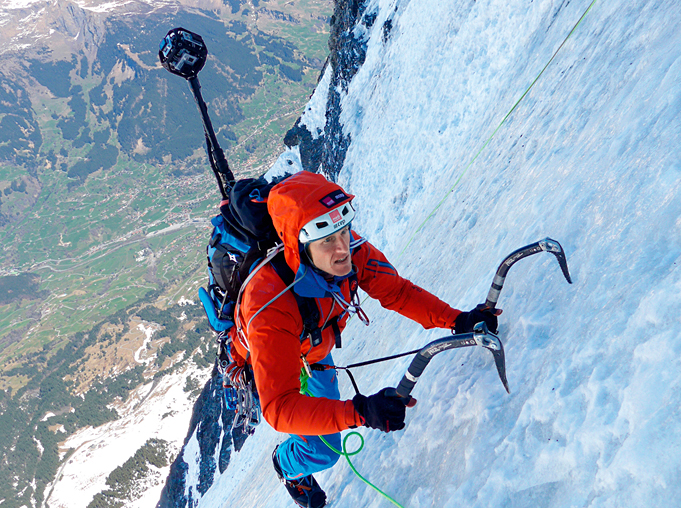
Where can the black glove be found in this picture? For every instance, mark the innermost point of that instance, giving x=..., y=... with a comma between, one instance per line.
x=382, y=411
x=467, y=320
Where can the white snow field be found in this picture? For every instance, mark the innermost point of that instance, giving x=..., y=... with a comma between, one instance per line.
x=155, y=410
x=590, y=157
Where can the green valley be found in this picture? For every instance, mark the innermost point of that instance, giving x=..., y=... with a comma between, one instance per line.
x=105, y=202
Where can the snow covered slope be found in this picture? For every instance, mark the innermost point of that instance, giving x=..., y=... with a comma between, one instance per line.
x=158, y=409
x=590, y=157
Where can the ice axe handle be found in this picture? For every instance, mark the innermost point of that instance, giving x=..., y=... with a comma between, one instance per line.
x=423, y=357
x=408, y=381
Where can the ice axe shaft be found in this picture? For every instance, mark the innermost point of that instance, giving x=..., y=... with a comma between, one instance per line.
x=480, y=336
x=545, y=245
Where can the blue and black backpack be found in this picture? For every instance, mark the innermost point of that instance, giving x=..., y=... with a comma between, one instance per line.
x=243, y=235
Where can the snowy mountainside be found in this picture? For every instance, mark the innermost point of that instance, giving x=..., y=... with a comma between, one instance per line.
x=590, y=157
x=157, y=409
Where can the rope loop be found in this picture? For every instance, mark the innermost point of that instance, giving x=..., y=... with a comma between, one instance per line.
x=345, y=453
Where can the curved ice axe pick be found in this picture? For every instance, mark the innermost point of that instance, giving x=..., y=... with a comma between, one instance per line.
x=546, y=245
x=481, y=336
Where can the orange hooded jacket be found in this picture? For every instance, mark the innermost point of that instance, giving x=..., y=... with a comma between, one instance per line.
x=273, y=327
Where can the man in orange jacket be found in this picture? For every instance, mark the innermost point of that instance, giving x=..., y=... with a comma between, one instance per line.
x=312, y=217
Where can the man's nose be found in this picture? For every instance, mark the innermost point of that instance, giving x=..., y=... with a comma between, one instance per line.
x=343, y=244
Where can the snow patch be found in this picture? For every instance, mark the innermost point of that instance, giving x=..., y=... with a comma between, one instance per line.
x=184, y=301
x=159, y=410
x=47, y=416
x=148, y=332
x=21, y=4
x=314, y=116
x=192, y=457
x=39, y=445
x=288, y=162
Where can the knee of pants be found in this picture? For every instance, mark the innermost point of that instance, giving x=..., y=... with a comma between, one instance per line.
x=301, y=456
x=329, y=456
x=324, y=456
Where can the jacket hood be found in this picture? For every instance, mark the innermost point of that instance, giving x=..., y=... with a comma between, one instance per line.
x=297, y=200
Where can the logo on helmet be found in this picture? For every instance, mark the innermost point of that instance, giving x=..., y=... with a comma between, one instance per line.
x=334, y=198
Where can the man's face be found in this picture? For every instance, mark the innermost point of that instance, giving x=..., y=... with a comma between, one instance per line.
x=331, y=254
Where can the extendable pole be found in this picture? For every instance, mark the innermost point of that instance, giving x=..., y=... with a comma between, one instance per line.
x=215, y=154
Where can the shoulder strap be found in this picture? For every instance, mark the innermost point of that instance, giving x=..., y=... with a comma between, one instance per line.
x=308, y=308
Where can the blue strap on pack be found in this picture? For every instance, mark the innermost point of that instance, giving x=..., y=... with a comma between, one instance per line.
x=219, y=325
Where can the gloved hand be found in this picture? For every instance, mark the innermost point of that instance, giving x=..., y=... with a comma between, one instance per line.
x=467, y=320
x=383, y=411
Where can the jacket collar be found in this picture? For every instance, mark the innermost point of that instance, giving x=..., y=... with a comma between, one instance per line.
x=311, y=284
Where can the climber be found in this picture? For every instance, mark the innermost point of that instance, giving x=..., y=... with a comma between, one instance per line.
x=313, y=218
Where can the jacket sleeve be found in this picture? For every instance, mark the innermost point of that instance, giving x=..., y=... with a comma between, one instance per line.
x=381, y=281
x=274, y=345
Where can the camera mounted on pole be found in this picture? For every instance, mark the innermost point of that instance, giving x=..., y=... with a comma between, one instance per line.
x=184, y=53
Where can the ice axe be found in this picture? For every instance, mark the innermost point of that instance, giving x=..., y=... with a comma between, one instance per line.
x=481, y=336
x=545, y=245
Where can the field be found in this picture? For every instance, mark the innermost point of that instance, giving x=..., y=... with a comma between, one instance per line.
x=138, y=227
x=105, y=202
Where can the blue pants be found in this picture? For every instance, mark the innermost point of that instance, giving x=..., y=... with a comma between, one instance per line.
x=300, y=456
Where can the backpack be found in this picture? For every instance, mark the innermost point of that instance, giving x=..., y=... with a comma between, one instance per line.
x=243, y=235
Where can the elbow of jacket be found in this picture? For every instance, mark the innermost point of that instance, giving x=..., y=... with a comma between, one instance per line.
x=281, y=412
x=276, y=412
x=273, y=417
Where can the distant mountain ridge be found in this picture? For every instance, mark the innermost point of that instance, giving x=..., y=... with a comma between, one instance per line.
x=110, y=97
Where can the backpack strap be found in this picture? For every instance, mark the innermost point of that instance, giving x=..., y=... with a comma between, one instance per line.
x=308, y=308
x=310, y=314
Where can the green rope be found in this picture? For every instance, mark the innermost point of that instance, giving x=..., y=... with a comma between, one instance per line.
x=345, y=453
x=304, y=377
x=456, y=182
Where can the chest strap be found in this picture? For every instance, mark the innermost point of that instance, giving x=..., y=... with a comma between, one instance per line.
x=309, y=310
